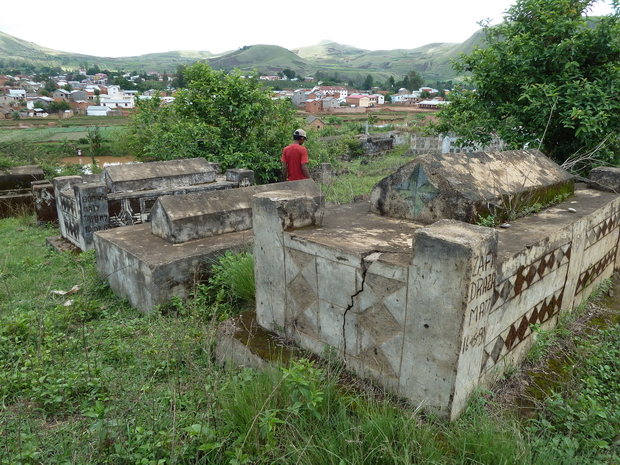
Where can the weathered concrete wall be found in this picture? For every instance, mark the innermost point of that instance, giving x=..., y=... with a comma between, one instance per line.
x=130, y=192
x=433, y=320
x=447, y=144
x=157, y=175
x=182, y=218
x=148, y=269
x=20, y=177
x=44, y=201
x=374, y=144
x=15, y=189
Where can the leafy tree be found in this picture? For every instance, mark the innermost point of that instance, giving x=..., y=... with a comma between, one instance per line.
x=225, y=117
x=390, y=84
x=178, y=81
x=123, y=83
x=289, y=73
x=367, y=85
x=50, y=86
x=57, y=107
x=412, y=80
x=94, y=70
x=95, y=139
x=67, y=87
x=546, y=76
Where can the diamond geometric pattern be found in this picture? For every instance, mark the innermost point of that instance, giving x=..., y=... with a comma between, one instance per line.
x=301, y=295
x=379, y=316
x=602, y=229
x=525, y=276
x=594, y=271
x=512, y=336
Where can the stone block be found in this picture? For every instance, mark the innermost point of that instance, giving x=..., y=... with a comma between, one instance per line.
x=464, y=186
x=92, y=205
x=44, y=201
x=447, y=257
x=157, y=175
x=323, y=173
x=240, y=177
x=182, y=218
x=20, y=177
x=273, y=212
x=16, y=204
x=147, y=270
x=605, y=178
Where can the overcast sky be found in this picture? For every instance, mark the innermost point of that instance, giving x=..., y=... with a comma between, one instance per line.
x=125, y=28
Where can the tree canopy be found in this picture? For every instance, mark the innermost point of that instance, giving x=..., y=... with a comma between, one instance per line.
x=225, y=117
x=548, y=76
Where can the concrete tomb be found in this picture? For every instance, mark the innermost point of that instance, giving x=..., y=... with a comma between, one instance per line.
x=124, y=194
x=465, y=186
x=433, y=311
x=149, y=263
x=16, y=189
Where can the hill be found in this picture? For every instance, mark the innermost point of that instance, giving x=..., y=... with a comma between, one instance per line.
x=262, y=57
x=327, y=59
x=20, y=54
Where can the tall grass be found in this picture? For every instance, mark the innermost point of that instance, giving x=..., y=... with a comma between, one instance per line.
x=85, y=379
x=355, y=179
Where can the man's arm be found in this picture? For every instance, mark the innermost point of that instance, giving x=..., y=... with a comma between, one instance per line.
x=285, y=171
x=305, y=171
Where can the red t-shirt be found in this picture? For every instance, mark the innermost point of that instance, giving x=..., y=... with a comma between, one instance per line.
x=294, y=156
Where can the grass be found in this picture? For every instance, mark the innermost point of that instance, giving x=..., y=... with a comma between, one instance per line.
x=356, y=179
x=86, y=379
x=48, y=134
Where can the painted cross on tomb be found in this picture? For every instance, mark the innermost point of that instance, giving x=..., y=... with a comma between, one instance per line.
x=417, y=191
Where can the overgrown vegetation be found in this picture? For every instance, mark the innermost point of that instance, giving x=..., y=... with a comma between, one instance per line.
x=86, y=379
x=225, y=117
x=355, y=179
x=520, y=207
x=544, y=77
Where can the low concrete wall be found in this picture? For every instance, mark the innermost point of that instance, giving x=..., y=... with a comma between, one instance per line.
x=149, y=263
x=15, y=190
x=447, y=144
x=125, y=194
x=434, y=320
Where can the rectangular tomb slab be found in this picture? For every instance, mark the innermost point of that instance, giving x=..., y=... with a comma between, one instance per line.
x=465, y=186
x=20, y=177
x=157, y=175
x=147, y=270
x=182, y=218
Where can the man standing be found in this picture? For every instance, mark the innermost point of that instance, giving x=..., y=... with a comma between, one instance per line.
x=295, y=158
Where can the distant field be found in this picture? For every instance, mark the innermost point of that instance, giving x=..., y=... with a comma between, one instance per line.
x=70, y=129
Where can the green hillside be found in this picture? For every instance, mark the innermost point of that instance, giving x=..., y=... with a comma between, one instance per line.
x=265, y=58
x=327, y=57
x=17, y=53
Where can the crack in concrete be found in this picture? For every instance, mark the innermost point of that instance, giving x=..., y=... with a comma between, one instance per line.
x=364, y=267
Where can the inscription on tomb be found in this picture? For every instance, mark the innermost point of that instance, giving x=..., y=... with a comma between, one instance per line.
x=477, y=312
x=474, y=340
x=484, y=276
x=480, y=300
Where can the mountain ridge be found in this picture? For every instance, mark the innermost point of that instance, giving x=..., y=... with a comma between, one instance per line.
x=327, y=58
